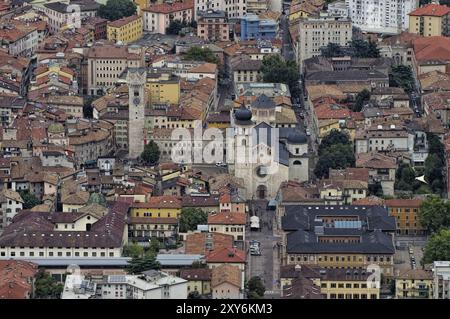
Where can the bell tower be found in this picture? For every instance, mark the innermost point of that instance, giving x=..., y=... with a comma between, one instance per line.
x=136, y=79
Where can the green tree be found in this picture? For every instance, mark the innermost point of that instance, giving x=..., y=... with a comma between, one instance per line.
x=30, y=200
x=46, y=287
x=151, y=153
x=434, y=173
x=332, y=50
x=402, y=76
x=276, y=70
x=133, y=250
x=364, y=49
x=175, y=27
x=139, y=264
x=435, y=146
x=117, y=9
x=198, y=264
x=405, y=178
x=334, y=137
x=437, y=247
x=190, y=218
x=336, y=156
x=154, y=245
x=361, y=98
x=434, y=214
x=255, y=288
x=200, y=54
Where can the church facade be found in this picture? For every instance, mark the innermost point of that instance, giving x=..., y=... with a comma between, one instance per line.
x=266, y=155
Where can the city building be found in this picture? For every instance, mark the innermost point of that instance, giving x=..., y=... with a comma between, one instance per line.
x=10, y=204
x=316, y=33
x=158, y=16
x=381, y=170
x=17, y=279
x=406, y=212
x=441, y=280
x=199, y=279
x=253, y=27
x=334, y=283
x=106, y=63
x=125, y=30
x=228, y=223
x=72, y=235
x=213, y=25
x=157, y=207
x=338, y=236
x=226, y=282
x=19, y=40
x=414, y=284
x=60, y=15
x=384, y=16
x=233, y=8
x=430, y=20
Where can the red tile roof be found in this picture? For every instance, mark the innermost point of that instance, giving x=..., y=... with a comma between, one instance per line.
x=226, y=218
x=433, y=10
x=124, y=21
x=15, y=279
x=432, y=48
x=226, y=255
x=404, y=202
x=196, y=242
x=160, y=202
x=169, y=8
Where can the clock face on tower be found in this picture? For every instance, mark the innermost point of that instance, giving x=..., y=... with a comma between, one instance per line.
x=136, y=101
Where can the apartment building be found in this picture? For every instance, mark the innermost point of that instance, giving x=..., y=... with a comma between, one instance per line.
x=68, y=235
x=441, y=280
x=385, y=16
x=334, y=283
x=381, y=170
x=157, y=207
x=19, y=40
x=158, y=16
x=406, y=212
x=10, y=204
x=414, y=284
x=125, y=30
x=213, y=25
x=430, y=20
x=61, y=15
x=316, y=33
x=91, y=141
x=228, y=223
x=233, y=8
x=253, y=28
x=150, y=284
x=338, y=236
x=106, y=63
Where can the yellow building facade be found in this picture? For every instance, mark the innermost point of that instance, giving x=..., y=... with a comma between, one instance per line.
x=430, y=20
x=414, y=284
x=157, y=207
x=163, y=88
x=126, y=30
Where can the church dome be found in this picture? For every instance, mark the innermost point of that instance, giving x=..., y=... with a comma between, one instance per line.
x=297, y=137
x=243, y=114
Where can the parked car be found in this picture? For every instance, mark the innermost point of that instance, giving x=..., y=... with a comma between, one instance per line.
x=221, y=164
x=308, y=132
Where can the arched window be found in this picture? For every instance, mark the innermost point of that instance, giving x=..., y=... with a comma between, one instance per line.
x=297, y=163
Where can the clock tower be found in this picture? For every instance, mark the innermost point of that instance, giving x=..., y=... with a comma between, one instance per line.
x=136, y=79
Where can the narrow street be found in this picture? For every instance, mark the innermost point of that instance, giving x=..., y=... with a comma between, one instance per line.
x=267, y=265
